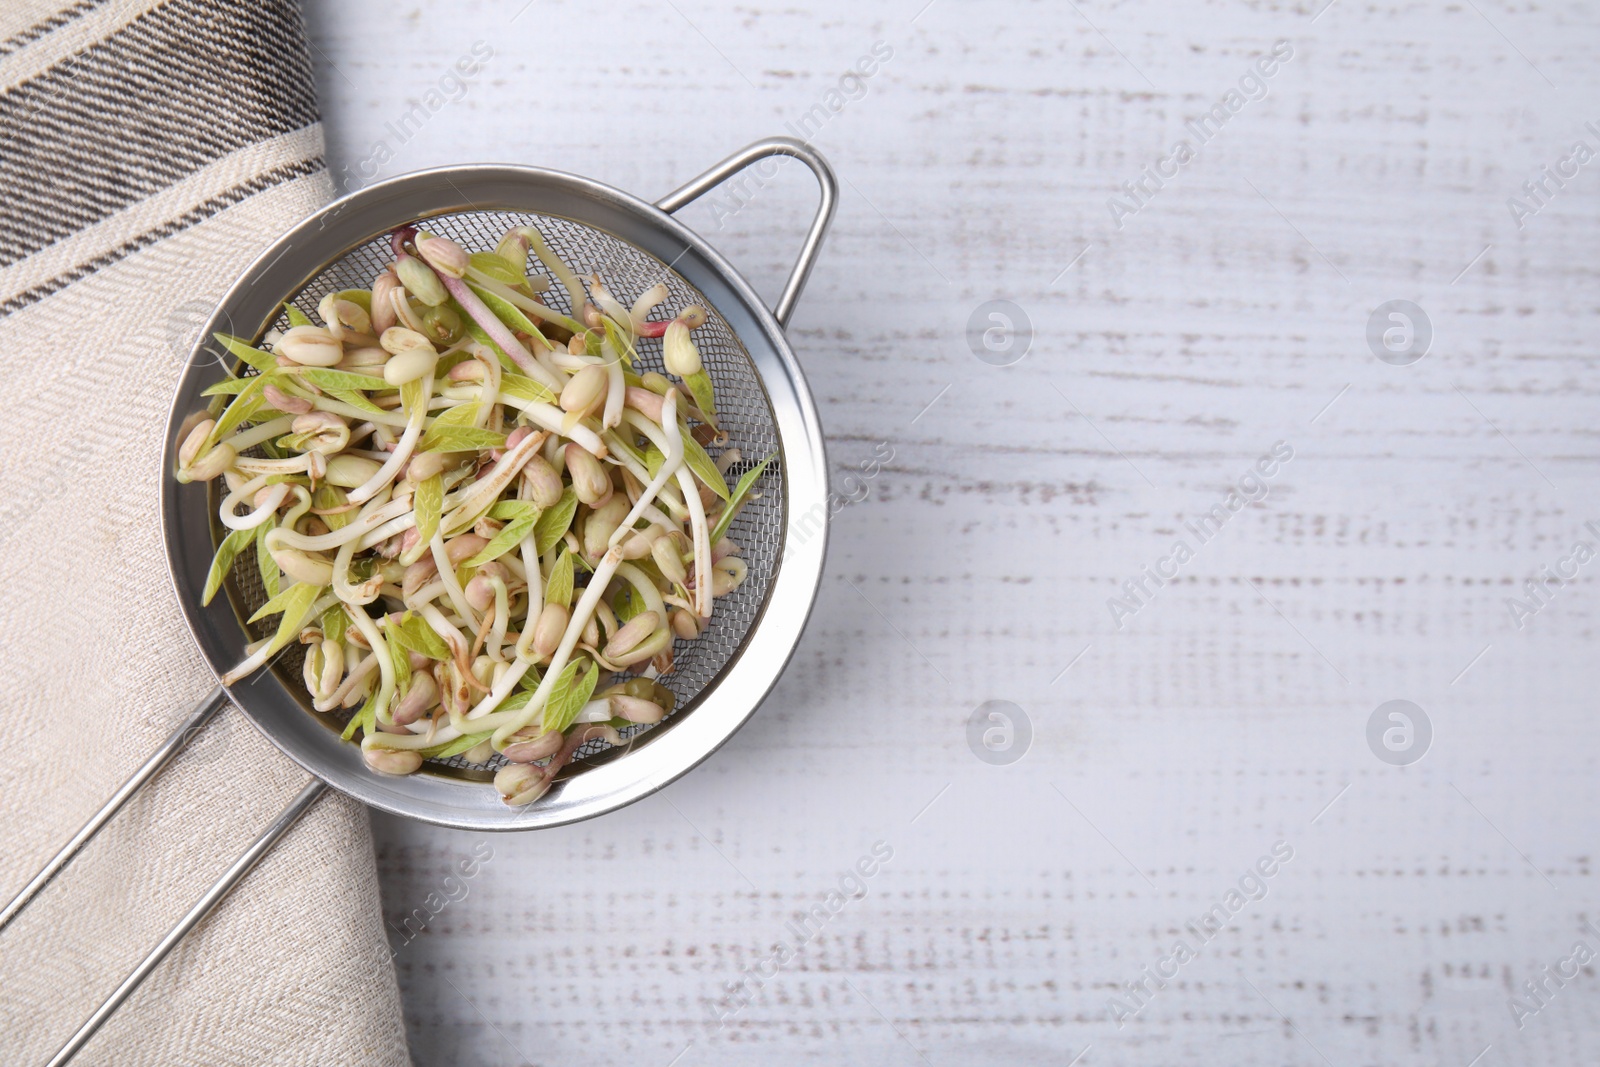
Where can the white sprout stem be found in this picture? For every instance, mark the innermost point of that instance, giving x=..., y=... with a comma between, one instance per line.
x=658, y=437
x=452, y=587
x=647, y=588
x=398, y=524
x=660, y=518
x=295, y=513
x=267, y=649
x=601, y=297
x=498, y=288
x=350, y=411
x=398, y=742
x=353, y=679
x=571, y=362
x=261, y=431
x=380, y=651
x=647, y=302
x=669, y=492
x=432, y=591
x=491, y=384
x=402, y=448
x=702, y=544
x=543, y=358
x=342, y=588
x=616, y=388
x=535, y=579
x=549, y=417
x=545, y=416
x=502, y=613
x=369, y=590
x=595, y=711
x=514, y=565
x=541, y=372
x=554, y=264
x=263, y=512
x=376, y=512
x=483, y=492
x=405, y=312
x=516, y=720
x=292, y=465
x=669, y=467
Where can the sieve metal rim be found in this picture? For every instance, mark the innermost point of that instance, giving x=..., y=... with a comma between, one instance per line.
x=348, y=223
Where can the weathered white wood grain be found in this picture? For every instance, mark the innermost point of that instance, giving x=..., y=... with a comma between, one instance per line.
x=1228, y=314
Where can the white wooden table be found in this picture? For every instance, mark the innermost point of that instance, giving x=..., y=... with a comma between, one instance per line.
x=1229, y=711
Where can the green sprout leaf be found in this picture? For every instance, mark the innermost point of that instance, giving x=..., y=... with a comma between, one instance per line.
x=460, y=439
x=526, y=389
x=619, y=340
x=705, y=398
x=568, y=695
x=558, y=590
x=334, y=623
x=415, y=635
x=498, y=268
x=356, y=400
x=627, y=603
x=244, y=407
x=222, y=562
x=294, y=599
x=366, y=718
x=399, y=658
x=428, y=503
x=298, y=600
x=504, y=541
x=452, y=430
x=515, y=316
x=460, y=415
x=343, y=380
x=413, y=394
x=328, y=497
x=695, y=458
x=737, y=500
x=264, y=561
x=512, y=510
x=258, y=358
x=362, y=298
x=508, y=313
x=227, y=387
x=554, y=523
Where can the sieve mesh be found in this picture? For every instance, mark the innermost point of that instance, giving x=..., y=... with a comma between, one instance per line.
x=744, y=414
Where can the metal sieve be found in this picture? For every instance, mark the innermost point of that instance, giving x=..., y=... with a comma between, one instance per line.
x=763, y=404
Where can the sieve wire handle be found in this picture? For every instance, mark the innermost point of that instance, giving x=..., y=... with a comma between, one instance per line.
x=204, y=906
x=202, y=714
x=752, y=153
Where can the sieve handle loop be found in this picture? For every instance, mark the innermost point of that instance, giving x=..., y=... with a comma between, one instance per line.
x=752, y=153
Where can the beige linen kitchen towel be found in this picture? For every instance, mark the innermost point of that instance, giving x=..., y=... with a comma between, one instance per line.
x=148, y=152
